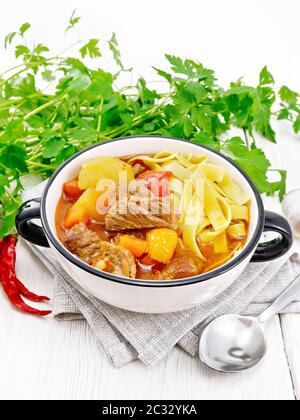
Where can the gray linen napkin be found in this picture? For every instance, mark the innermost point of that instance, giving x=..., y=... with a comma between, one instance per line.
x=127, y=336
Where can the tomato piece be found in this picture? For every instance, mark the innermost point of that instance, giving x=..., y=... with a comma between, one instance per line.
x=157, y=182
x=72, y=190
x=147, y=260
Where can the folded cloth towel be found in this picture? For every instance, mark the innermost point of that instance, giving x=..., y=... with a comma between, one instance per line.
x=127, y=336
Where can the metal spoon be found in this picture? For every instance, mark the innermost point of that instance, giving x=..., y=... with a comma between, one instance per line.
x=234, y=343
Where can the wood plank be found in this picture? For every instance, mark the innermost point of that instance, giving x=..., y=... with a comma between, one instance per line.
x=45, y=359
x=290, y=324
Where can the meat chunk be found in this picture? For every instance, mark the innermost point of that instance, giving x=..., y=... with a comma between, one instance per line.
x=117, y=260
x=182, y=266
x=89, y=247
x=83, y=242
x=140, y=209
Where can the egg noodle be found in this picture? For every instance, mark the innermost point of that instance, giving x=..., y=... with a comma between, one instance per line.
x=211, y=204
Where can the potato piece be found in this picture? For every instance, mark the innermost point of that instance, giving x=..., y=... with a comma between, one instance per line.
x=88, y=201
x=76, y=215
x=103, y=168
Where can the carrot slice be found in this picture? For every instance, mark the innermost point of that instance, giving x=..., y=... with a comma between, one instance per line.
x=137, y=246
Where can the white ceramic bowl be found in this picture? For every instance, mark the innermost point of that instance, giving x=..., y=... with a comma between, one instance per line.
x=141, y=295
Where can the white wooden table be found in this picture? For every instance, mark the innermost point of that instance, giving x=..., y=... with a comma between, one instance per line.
x=44, y=359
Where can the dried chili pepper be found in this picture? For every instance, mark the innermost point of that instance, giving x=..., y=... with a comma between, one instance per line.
x=30, y=295
x=11, y=284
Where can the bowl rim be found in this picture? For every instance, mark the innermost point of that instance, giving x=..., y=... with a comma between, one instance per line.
x=151, y=283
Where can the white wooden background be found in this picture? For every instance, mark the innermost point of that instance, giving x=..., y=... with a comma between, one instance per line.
x=44, y=359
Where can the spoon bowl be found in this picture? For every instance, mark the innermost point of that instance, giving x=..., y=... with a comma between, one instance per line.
x=233, y=343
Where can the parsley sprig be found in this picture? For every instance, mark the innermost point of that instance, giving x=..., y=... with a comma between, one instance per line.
x=53, y=106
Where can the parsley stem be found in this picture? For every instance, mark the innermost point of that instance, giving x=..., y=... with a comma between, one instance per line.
x=42, y=165
x=42, y=107
x=30, y=141
x=27, y=67
x=100, y=116
x=8, y=104
x=34, y=156
x=12, y=69
x=11, y=196
x=246, y=138
x=13, y=76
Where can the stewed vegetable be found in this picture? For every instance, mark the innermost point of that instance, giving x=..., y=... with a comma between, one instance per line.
x=156, y=217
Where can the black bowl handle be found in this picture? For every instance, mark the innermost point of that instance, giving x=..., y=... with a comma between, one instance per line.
x=28, y=230
x=278, y=247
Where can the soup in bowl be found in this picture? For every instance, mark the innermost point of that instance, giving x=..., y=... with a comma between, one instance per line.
x=153, y=224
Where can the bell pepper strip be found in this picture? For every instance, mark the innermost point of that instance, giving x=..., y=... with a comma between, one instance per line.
x=162, y=244
x=157, y=182
x=10, y=283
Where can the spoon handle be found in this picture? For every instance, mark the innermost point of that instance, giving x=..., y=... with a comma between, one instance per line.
x=283, y=300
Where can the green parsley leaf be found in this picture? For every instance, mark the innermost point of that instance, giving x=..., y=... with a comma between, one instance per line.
x=280, y=185
x=85, y=135
x=147, y=96
x=48, y=75
x=207, y=140
x=288, y=96
x=40, y=48
x=180, y=66
x=24, y=28
x=202, y=118
x=164, y=74
x=53, y=146
x=4, y=183
x=114, y=47
x=13, y=156
x=296, y=125
x=252, y=161
x=9, y=39
x=283, y=114
x=262, y=118
x=7, y=221
x=266, y=77
x=73, y=21
x=22, y=50
x=90, y=49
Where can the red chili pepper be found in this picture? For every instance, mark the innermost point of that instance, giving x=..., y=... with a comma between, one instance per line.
x=11, y=284
x=30, y=295
x=157, y=182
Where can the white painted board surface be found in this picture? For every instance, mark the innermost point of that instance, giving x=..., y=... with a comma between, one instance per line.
x=44, y=359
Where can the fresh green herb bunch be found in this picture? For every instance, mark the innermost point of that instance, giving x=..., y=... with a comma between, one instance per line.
x=40, y=130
